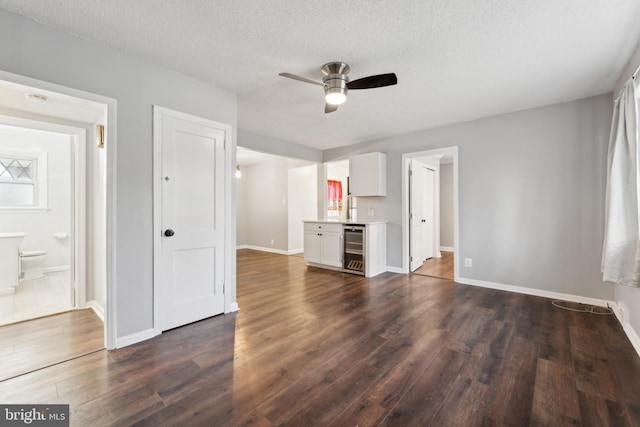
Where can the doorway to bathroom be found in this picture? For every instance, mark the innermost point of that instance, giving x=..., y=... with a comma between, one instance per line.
x=37, y=210
x=53, y=200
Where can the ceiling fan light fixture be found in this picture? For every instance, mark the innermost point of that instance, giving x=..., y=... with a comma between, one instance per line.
x=335, y=96
x=335, y=88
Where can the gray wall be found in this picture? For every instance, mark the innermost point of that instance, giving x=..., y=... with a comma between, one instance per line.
x=266, y=215
x=266, y=144
x=446, y=205
x=531, y=194
x=37, y=51
x=241, y=208
x=264, y=211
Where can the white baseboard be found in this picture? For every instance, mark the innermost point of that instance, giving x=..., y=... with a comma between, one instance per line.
x=56, y=269
x=242, y=247
x=446, y=248
x=622, y=314
x=272, y=250
x=135, y=338
x=97, y=308
x=398, y=270
x=234, y=307
x=535, y=292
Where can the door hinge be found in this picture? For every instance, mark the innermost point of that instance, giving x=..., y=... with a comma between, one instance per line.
x=410, y=258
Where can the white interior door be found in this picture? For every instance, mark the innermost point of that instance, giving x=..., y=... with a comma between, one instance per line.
x=429, y=213
x=192, y=210
x=416, y=214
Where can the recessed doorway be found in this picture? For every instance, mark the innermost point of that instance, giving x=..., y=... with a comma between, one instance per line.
x=441, y=260
x=62, y=219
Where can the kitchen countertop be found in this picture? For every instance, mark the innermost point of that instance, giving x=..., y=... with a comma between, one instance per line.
x=346, y=221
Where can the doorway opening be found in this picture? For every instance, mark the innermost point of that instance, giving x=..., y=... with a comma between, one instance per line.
x=53, y=149
x=274, y=195
x=430, y=212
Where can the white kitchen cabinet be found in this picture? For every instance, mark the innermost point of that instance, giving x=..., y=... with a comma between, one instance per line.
x=323, y=244
x=368, y=175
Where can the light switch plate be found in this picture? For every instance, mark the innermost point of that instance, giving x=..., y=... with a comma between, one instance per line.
x=371, y=211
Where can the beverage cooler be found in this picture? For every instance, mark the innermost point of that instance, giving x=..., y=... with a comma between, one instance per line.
x=354, y=250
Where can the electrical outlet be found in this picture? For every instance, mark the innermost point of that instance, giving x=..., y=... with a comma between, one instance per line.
x=371, y=211
x=468, y=262
x=272, y=241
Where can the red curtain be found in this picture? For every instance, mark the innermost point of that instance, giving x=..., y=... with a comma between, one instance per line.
x=334, y=196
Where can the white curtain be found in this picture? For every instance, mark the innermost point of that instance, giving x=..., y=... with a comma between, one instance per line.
x=621, y=249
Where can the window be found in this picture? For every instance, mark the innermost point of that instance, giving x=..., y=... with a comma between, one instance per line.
x=22, y=181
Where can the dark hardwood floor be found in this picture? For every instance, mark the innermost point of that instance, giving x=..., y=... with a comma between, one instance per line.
x=34, y=344
x=315, y=347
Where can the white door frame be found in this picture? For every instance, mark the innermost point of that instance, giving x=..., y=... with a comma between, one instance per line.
x=452, y=151
x=110, y=332
x=230, y=303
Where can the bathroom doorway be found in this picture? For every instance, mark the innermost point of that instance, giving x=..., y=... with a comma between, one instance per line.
x=36, y=207
x=54, y=142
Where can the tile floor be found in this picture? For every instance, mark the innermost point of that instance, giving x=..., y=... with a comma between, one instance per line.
x=37, y=298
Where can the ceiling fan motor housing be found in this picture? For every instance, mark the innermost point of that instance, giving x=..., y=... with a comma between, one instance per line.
x=335, y=80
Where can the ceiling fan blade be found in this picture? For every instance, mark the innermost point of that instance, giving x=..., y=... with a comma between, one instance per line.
x=330, y=108
x=302, y=79
x=371, y=82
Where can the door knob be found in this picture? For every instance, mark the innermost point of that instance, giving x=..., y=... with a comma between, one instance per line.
x=169, y=232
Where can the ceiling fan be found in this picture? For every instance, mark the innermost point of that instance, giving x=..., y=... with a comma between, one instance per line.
x=336, y=83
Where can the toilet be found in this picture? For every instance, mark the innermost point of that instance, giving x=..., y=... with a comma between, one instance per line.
x=30, y=263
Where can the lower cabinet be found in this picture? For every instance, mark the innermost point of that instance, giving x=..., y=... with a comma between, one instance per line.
x=323, y=244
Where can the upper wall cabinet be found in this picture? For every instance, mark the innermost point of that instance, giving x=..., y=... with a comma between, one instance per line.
x=368, y=175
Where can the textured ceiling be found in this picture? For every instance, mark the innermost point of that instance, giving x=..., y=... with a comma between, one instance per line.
x=456, y=60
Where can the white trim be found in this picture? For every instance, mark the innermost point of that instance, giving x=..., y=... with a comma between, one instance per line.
x=56, y=269
x=159, y=112
x=97, y=308
x=110, y=331
x=398, y=270
x=406, y=158
x=234, y=307
x=446, y=249
x=79, y=217
x=24, y=210
x=242, y=247
x=7, y=291
x=620, y=310
x=135, y=338
x=272, y=250
x=535, y=292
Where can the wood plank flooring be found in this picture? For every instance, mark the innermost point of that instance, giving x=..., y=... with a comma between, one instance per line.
x=312, y=347
x=438, y=267
x=35, y=344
